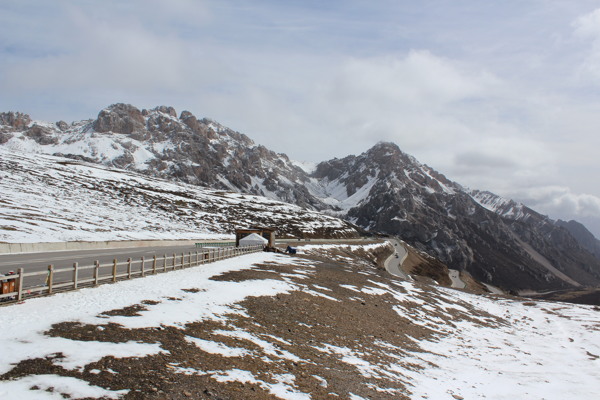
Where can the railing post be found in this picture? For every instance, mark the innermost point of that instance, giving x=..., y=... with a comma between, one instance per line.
x=96, y=272
x=114, y=270
x=50, y=278
x=154, y=265
x=190, y=259
x=20, y=284
x=142, y=267
x=129, y=268
x=165, y=262
x=196, y=258
x=75, y=274
x=182, y=260
x=174, y=261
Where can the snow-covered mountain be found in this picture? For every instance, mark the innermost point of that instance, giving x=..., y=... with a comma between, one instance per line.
x=159, y=143
x=498, y=241
x=47, y=198
x=383, y=189
x=505, y=207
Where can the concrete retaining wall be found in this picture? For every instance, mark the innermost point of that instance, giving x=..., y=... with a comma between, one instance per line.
x=12, y=248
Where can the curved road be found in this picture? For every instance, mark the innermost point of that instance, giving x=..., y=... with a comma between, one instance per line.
x=393, y=264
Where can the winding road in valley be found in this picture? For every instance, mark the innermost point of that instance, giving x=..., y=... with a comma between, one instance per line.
x=393, y=264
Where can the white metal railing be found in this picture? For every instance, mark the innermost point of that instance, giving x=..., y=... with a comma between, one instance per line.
x=71, y=278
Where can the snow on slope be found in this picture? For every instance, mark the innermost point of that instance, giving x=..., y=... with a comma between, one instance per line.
x=80, y=139
x=499, y=205
x=335, y=193
x=47, y=199
x=481, y=347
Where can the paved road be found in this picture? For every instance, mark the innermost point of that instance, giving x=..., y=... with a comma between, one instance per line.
x=33, y=262
x=393, y=264
x=40, y=261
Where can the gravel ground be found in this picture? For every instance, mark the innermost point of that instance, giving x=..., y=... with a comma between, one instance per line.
x=305, y=330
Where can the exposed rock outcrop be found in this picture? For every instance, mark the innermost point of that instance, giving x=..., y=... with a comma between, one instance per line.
x=119, y=118
x=14, y=121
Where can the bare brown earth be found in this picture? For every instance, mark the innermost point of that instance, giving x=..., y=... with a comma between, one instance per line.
x=298, y=322
x=429, y=270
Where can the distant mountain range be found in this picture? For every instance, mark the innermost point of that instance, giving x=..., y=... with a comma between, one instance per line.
x=383, y=190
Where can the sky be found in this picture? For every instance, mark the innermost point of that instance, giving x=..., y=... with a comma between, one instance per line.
x=499, y=96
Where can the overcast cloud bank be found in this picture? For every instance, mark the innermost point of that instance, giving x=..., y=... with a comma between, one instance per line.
x=500, y=97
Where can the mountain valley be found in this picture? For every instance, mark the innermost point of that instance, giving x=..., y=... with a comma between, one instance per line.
x=383, y=191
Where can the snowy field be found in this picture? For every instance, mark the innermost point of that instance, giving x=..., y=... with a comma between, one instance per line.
x=480, y=347
x=53, y=199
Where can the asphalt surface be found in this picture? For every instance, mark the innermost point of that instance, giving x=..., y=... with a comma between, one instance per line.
x=62, y=259
x=39, y=262
x=34, y=262
x=393, y=264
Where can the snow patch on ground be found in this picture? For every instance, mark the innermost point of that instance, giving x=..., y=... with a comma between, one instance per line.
x=484, y=347
x=54, y=387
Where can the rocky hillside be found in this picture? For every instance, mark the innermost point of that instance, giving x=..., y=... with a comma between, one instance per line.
x=582, y=235
x=385, y=190
x=498, y=241
x=47, y=199
x=159, y=143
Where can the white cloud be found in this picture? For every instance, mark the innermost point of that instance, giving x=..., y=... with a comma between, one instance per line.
x=560, y=202
x=106, y=56
x=488, y=100
x=587, y=27
x=412, y=99
x=418, y=78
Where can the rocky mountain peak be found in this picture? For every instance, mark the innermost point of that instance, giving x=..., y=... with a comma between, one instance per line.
x=385, y=148
x=15, y=120
x=166, y=110
x=119, y=118
x=388, y=156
